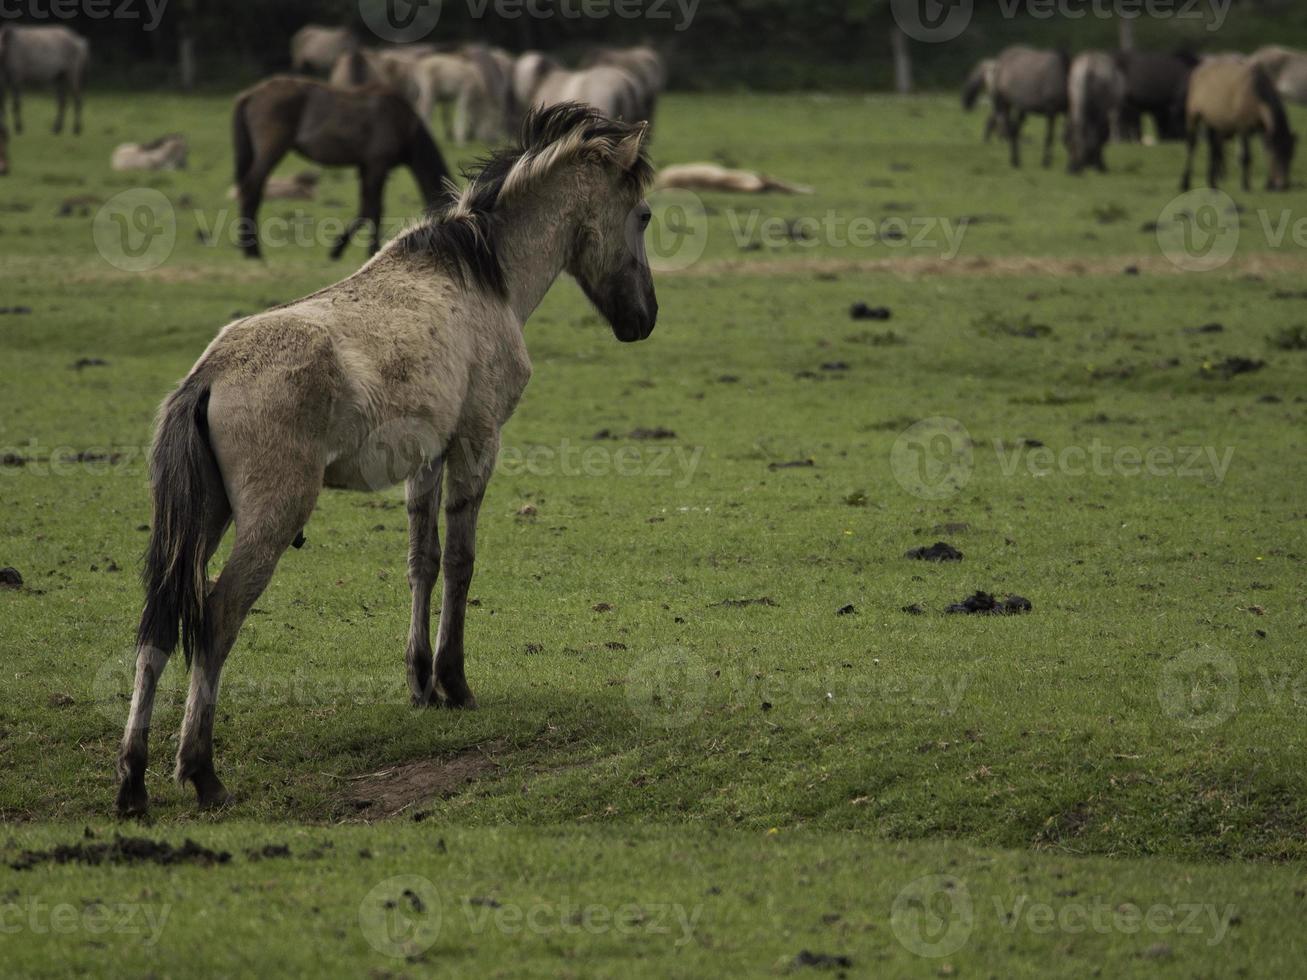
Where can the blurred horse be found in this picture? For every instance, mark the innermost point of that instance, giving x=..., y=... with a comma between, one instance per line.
x=1287, y=68
x=372, y=128
x=1095, y=95
x=1155, y=85
x=981, y=82
x=539, y=82
x=715, y=177
x=165, y=153
x=43, y=55
x=1029, y=82
x=1234, y=97
x=318, y=48
x=642, y=63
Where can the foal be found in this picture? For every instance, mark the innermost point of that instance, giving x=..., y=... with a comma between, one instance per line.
x=405, y=371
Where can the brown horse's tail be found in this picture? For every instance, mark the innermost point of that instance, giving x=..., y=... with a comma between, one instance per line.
x=241, y=140
x=184, y=481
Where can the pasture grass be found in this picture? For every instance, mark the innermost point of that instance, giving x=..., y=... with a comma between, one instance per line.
x=671, y=699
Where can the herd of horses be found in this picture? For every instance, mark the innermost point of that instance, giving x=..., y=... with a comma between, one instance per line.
x=1105, y=96
x=371, y=113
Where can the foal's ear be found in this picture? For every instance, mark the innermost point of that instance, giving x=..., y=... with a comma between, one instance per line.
x=628, y=151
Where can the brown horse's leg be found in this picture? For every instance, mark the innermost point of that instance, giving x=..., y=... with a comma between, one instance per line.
x=423, y=493
x=1246, y=160
x=267, y=521
x=372, y=182
x=61, y=102
x=249, y=188
x=1186, y=178
x=1014, y=137
x=18, y=109
x=77, y=82
x=1216, y=157
x=470, y=463
x=1049, y=134
x=133, y=754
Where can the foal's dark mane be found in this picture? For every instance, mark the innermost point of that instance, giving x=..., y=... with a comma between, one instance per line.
x=460, y=235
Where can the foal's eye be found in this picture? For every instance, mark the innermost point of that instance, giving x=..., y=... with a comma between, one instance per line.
x=645, y=217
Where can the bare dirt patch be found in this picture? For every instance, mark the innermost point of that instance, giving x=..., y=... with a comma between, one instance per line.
x=394, y=790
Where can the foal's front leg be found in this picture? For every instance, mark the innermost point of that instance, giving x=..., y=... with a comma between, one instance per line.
x=468, y=471
x=423, y=492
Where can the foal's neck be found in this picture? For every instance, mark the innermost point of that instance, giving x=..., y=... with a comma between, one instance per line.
x=533, y=235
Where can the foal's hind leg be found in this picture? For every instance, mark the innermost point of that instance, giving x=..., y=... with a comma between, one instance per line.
x=468, y=468
x=265, y=527
x=249, y=189
x=1246, y=160
x=1014, y=137
x=423, y=569
x=133, y=754
x=1186, y=178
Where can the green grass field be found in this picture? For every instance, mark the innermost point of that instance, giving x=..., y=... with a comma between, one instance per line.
x=688, y=762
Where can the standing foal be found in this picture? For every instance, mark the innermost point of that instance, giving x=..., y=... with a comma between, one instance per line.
x=407, y=370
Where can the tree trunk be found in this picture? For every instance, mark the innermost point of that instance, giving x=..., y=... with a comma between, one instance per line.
x=186, y=59
x=1126, y=34
x=902, y=62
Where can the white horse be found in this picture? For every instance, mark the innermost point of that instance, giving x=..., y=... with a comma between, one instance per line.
x=42, y=56
x=404, y=372
x=539, y=81
x=455, y=84
x=318, y=48
x=715, y=177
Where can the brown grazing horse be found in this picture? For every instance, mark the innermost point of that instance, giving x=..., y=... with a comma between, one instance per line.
x=403, y=373
x=1234, y=97
x=372, y=128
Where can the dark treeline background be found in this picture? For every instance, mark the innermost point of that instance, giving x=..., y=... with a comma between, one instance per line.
x=756, y=44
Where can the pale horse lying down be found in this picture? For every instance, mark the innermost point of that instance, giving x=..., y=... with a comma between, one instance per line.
x=165, y=153
x=714, y=177
x=302, y=187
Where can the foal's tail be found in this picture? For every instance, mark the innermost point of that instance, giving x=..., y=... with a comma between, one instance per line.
x=184, y=481
x=242, y=141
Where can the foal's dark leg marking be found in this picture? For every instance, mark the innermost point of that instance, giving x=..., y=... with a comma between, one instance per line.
x=423, y=492
x=459, y=560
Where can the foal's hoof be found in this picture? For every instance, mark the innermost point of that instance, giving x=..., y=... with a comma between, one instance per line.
x=210, y=793
x=133, y=800
x=457, y=700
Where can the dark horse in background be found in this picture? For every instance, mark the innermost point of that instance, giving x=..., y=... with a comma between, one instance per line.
x=1155, y=85
x=372, y=128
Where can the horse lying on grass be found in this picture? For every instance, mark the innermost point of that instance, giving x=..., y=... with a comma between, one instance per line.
x=404, y=372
